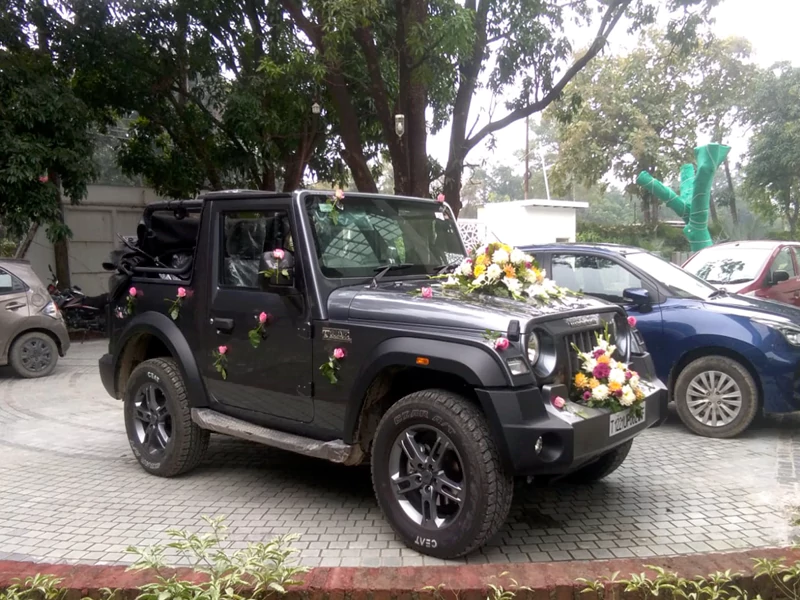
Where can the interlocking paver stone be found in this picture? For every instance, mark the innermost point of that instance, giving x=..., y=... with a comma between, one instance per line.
x=70, y=490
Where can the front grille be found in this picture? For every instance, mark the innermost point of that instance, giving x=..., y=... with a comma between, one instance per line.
x=585, y=342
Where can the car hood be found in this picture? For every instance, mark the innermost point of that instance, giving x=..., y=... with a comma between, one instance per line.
x=758, y=308
x=394, y=302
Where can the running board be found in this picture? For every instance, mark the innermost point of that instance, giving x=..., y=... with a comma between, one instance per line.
x=335, y=450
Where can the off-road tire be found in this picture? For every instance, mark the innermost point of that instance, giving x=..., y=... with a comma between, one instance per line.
x=188, y=442
x=750, y=400
x=601, y=467
x=17, y=360
x=488, y=488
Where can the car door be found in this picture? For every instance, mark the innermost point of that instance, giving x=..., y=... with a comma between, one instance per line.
x=273, y=376
x=787, y=291
x=14, y=308
x=607, y=278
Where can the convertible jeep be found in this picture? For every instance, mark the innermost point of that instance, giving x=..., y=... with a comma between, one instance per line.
x=310, y=322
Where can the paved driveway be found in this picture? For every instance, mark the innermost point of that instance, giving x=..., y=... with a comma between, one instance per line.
x=70, y=490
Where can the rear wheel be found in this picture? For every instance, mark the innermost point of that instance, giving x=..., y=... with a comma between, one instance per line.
x=158, y=420
x=716, y=397
x=437, y=474
x=34, y=355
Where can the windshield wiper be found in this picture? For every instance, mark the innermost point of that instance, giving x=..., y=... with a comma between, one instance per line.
x=381, y=271
x=731, y=282
x=443, y=268
x=719, y=292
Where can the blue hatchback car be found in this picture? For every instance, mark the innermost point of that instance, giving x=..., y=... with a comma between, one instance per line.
x=724, y=357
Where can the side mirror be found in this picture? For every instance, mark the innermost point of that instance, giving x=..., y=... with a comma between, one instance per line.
x=639, y=297
x=778, y=277
x=276, y=272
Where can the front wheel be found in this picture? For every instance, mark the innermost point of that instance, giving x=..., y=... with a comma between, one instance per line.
x=716, y=397
x=437, y=474
x=158, y=420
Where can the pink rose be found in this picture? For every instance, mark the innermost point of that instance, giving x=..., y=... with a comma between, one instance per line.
x=587, y=394
x=263, y=317
x=469, y=261
x=339, y=194
x=133, y=291
x=501, y=343
x=43, y=179
x=222, y=349
x=427, y=292
x=440, y=198
x=339, y=353
x=181, y=292
x=632, y=321
x=278, y=253
x=559, y=402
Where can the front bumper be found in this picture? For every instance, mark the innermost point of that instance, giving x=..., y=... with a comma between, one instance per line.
x=571, y=437
x=106, y=365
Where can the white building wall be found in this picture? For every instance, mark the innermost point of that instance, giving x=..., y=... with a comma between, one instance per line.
x=519, y=225
x=106, y=211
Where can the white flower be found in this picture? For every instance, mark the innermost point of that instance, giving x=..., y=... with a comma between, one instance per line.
x=634, y=381
x=465, y=268
x=479, y=281
x=513, y=284
x=600, y=392
x=517, y=256
x=550, y=287
x=602, y=343
x=494, y=272
x=536, y=291
x=500, y=256
x=528, y=258
x=616, y=376
x=451, y=281
x=628, y=396
x=530, y=276
x=615, y=365
x=589, y=364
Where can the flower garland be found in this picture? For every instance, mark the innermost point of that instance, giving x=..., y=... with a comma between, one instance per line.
x=604, y=382
x=500, y=270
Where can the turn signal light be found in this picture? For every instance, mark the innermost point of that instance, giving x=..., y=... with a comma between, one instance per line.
x=421, y=360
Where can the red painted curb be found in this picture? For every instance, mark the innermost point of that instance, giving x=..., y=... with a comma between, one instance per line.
x=548, y=581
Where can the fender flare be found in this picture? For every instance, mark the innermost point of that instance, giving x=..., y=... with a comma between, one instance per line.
x=474, y=365
x=165, y=330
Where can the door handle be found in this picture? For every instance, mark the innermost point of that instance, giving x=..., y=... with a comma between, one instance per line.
x=14, y=305
x=222, y=325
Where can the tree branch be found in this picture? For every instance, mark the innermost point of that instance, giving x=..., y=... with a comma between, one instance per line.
x=377, y=85
x=610, y=19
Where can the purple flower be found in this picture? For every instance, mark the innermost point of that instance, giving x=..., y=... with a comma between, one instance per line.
x=628, y=374
x=598, y=353
x=618, y=393
x=587, y=394
x=601, y=371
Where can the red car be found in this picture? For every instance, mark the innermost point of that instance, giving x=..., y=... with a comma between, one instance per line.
x=764, y=269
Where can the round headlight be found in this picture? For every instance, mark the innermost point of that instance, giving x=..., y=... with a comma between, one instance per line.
x=533, y=348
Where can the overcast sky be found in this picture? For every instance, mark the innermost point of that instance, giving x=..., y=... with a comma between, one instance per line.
x=772, y=26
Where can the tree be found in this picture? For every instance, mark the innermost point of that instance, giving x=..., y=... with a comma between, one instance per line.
x=223, y=92
x=45, y=128
x=638, y=112
x=772, y=172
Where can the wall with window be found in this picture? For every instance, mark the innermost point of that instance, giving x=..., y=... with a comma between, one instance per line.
x=531, y=221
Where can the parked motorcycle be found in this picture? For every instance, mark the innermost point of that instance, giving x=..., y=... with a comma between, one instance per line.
x=81, y=312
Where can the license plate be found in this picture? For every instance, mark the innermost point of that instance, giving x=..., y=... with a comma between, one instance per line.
x=622, y=421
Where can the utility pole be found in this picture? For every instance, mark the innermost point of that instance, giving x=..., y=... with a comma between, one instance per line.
x=527, y=156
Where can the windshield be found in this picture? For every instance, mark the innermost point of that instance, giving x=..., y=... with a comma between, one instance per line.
x=676, y=280
x=727, y=264
x=360, y=235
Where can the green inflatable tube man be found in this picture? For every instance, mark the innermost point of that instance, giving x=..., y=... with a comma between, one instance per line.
x=693, y=204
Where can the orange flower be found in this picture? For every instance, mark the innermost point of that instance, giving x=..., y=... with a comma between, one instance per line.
x=539, y=275
x=604, y=358
x=581, y=381
x=479, y=270
x=614, y=386
x=593, y=383
x=510, y=272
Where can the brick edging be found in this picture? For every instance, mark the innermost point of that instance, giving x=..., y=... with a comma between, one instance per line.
x=549, y=581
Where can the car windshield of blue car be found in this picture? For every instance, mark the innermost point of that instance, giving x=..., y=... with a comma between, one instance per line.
x=357, y=236
x=728, y=264
x=680, y=283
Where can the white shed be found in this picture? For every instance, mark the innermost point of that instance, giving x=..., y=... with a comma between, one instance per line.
x=525, y=222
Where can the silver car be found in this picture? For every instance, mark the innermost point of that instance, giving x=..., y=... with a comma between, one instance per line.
x=32, y=331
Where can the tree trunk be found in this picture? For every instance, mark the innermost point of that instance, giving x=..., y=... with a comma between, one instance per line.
x=26, y=242
x=417, y=101
x=732, y=189
x=792, y=215
x=712, y=206
x=60, y=246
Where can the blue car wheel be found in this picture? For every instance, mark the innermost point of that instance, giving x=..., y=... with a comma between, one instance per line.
x=716, y=397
